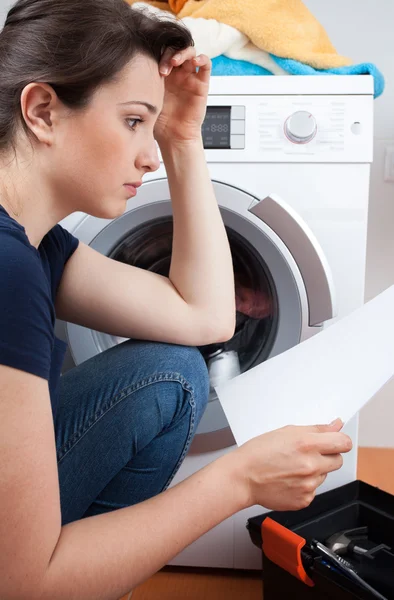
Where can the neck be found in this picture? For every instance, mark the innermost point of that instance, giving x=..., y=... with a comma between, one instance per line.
x=29, y=200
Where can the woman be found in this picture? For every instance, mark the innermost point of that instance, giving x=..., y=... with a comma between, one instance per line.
x=86, y=459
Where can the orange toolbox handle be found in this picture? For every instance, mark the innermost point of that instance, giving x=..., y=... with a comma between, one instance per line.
x=283, y=547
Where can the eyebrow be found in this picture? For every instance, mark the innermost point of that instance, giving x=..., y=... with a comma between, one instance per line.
x=152, y=109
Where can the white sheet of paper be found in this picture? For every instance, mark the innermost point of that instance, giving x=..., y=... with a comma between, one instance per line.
x=333, y=374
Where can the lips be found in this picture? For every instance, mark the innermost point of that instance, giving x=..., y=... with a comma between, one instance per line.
x=135, y=184
x=132, y=187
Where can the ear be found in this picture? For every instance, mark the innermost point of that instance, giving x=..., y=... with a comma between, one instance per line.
x=39, y=106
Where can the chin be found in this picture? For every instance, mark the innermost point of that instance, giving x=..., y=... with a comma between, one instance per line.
x=109, y=211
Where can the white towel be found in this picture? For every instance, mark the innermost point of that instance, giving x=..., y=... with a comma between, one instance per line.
x=213, y=39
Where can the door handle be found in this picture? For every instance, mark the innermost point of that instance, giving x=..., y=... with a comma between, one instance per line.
x=306, y=251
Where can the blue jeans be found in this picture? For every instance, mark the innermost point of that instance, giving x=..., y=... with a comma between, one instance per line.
x=124, y=424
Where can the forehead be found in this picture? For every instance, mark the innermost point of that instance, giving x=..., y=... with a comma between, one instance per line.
x=139, y=80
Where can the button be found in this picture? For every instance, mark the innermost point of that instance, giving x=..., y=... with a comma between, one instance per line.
x=356, y=128
x=237, y=112
x=237, y=141
x=238, y=127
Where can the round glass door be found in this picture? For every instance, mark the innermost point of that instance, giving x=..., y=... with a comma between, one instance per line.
x=149, y=247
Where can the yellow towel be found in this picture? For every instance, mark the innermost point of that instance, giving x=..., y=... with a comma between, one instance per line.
x=176, y=5
x=156, y=3
x=285, y=28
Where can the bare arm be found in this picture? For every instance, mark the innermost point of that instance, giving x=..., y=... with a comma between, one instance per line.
x=102, y=557
x=30, y=518
x=105, y=556
x=195, y=305
x=201, y=268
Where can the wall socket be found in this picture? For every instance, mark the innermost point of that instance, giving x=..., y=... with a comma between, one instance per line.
x=389, y=164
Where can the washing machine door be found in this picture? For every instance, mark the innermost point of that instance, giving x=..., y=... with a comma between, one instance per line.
x=284, y=289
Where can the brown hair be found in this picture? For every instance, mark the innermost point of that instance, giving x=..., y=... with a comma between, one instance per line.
x=75, y=46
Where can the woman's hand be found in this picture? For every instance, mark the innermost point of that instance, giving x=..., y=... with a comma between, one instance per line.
x=281, y=470
x=185, y=97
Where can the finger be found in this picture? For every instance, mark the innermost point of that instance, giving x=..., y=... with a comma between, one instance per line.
x=322, y=479
x=334, y=426
x=331, y=463
x=313, y=483
x=188, y=66
x=165, y=66
x=181, y=57
x=171, y=58
x=333, y=443
x=204, y=65
x=310, y=485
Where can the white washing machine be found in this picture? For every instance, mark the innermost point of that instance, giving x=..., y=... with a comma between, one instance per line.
x=289, y=158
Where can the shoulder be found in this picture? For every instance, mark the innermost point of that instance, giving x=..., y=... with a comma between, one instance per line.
x=27, y=314
x=15, y=249
x=20, y=266
x=26, y=307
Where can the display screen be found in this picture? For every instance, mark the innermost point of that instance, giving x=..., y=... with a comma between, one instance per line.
x=216, y=127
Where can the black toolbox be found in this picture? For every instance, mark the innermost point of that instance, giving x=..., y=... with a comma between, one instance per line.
x=294, y=567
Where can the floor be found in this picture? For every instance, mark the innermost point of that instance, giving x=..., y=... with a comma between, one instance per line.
x=374, y=467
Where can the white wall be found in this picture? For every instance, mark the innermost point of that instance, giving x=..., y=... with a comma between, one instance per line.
x=4, y=7
x=364, y=32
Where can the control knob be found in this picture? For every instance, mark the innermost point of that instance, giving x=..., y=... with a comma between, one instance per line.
x=301, y=127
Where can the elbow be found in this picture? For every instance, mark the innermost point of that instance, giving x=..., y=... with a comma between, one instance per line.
x=225, y=333
x=219, y=331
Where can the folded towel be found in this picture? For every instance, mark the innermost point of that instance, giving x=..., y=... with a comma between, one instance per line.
x=281, y=27
x=222, y=65
x=232, y=53
x=213, y=39
x=294, y=67
x=176, y=5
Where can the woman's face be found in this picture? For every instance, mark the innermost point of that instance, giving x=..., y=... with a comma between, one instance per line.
x=109, y=144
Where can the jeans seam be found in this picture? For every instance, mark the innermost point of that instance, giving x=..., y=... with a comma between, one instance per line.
x=192, y=403
x=122, y=395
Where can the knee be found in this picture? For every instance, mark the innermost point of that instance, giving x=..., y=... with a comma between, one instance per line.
x=190, y=364
x=158, y=357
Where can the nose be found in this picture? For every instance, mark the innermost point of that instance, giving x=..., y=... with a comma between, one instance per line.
x=148, y=159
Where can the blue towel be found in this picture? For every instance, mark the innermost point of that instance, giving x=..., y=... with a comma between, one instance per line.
x=221, y=65
x=296, y=68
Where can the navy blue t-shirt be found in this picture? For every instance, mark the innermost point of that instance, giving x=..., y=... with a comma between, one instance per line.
x=29, y=279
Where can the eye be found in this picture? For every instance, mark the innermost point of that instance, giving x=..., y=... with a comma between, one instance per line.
x=135, y=123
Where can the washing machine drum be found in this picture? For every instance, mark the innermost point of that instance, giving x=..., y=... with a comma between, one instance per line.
x=149, y=247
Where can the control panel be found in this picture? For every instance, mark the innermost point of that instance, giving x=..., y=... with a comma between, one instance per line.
x=298, y=128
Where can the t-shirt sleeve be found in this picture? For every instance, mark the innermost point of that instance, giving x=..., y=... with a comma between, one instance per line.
x=26, y=310
x=68, y=243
